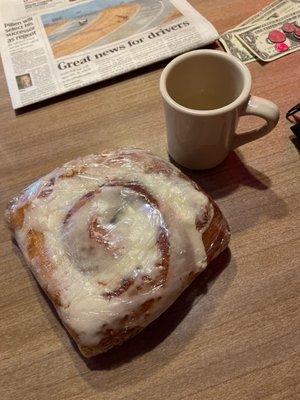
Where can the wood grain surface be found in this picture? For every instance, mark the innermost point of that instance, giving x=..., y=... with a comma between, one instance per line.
x=233, y=333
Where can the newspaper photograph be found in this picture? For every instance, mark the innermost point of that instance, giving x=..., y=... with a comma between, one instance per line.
x=49, y=47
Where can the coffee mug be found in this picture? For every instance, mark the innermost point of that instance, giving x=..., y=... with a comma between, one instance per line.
x=204, y=94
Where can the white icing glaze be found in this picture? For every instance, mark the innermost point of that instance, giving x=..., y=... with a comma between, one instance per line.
x=86, y=271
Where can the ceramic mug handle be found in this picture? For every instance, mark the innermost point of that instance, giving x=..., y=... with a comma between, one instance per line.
x=261, y=108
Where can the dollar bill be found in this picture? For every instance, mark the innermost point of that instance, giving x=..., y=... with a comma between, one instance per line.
x=275, y=10
x=232, y=45
x=255, y=38
x=230, y=39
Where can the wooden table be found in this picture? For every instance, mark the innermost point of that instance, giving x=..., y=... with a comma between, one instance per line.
x=232, y=334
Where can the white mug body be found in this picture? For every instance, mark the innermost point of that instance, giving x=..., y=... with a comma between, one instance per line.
x=198, y=142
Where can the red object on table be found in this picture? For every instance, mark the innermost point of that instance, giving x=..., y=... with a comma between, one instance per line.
x=276, y=36
x=297, y=33
x=288, y=27
x=281, y=47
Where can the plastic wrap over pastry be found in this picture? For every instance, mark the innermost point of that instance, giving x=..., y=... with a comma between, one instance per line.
x=113, y=239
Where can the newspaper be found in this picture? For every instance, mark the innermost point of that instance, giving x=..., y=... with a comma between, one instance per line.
x=49, y=47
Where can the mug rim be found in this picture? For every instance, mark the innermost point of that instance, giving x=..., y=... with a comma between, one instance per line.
x=243, y=96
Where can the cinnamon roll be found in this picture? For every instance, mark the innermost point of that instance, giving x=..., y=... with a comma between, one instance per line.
x=113, y=239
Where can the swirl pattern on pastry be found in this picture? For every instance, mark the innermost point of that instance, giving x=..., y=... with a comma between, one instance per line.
x=113, y=239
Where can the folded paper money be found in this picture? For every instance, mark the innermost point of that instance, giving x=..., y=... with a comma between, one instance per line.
x=249, y=40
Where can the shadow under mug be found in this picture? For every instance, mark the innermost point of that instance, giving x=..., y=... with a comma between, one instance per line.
x=204, y=94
